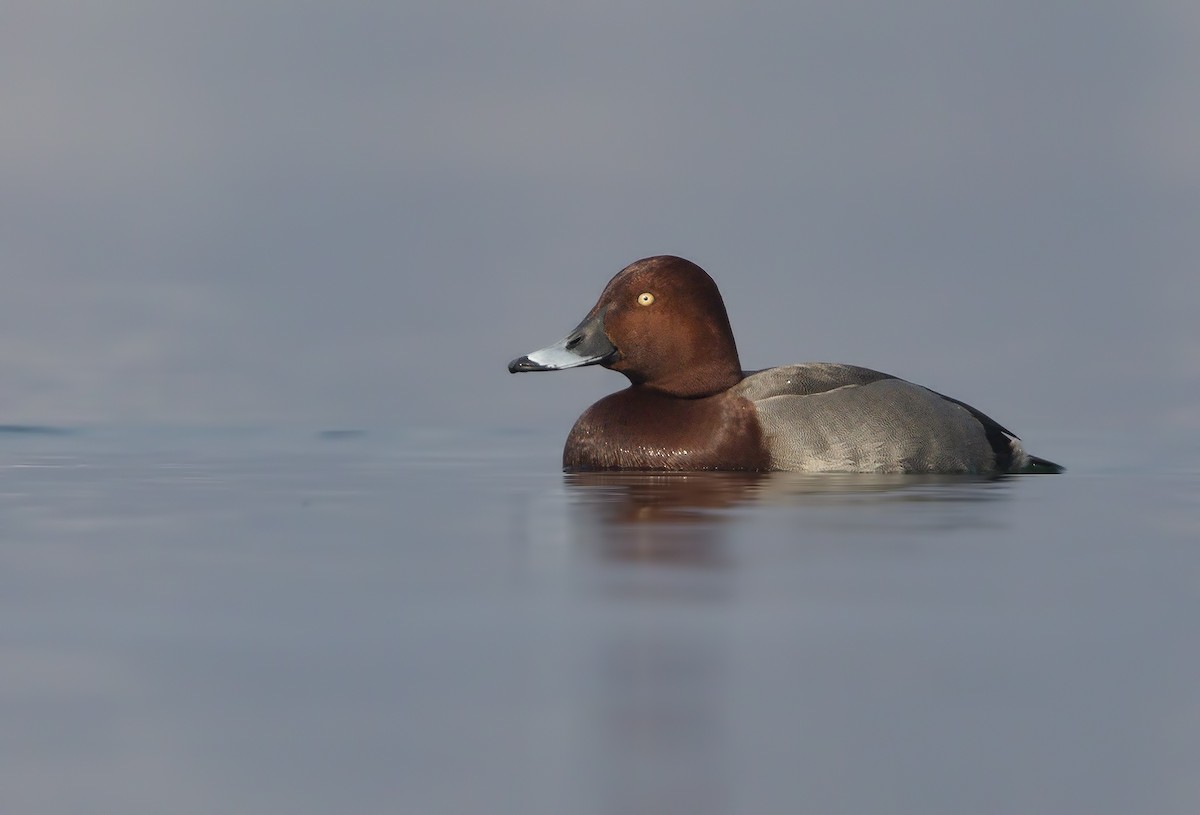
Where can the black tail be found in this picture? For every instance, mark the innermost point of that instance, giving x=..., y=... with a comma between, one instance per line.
x=1041, y=466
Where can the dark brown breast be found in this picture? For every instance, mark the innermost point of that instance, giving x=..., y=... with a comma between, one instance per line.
x=641, y=429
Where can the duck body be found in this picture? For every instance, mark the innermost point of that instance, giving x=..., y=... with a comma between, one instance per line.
x=661, y=321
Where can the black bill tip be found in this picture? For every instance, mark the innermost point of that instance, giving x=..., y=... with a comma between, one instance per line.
x=523, y=364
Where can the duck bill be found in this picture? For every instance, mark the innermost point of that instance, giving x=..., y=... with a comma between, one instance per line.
x=586, y=345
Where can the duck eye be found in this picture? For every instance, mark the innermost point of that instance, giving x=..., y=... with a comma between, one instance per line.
x=645, y=298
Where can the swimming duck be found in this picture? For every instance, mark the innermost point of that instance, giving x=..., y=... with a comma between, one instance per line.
x=689, y=405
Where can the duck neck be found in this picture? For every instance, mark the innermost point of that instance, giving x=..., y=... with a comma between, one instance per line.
x=696, y=381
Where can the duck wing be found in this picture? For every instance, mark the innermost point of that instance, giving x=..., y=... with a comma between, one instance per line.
x=845, y=418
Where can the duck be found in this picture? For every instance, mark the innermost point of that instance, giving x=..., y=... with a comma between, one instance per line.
x=689, y=406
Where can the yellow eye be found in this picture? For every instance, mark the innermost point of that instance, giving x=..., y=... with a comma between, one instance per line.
x=645, y=298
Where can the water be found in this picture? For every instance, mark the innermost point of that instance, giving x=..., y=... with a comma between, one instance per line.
x=435, y=622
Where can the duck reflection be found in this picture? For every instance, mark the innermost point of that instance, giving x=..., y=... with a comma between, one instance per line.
x=681, y=518
x=672, y=518
x=621, y=498
x=671, y=558
x=661, y=718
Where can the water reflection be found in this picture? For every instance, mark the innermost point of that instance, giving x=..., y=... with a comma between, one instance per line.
x=680, y=518
x=666, y=693
x=620, y=498
x=650, y=497
x=657, y=517
x=661, y=721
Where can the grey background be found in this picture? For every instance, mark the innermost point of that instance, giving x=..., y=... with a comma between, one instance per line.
x=357, y=213
x=354, y=214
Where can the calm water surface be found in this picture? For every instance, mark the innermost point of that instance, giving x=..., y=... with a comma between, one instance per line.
x=428, y=622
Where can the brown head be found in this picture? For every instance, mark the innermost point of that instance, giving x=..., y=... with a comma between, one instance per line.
x=662, y=323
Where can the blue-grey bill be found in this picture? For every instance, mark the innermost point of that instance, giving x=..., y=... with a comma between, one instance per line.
x=586, y=345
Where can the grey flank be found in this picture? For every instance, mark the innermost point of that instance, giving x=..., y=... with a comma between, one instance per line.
x=825, y=417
